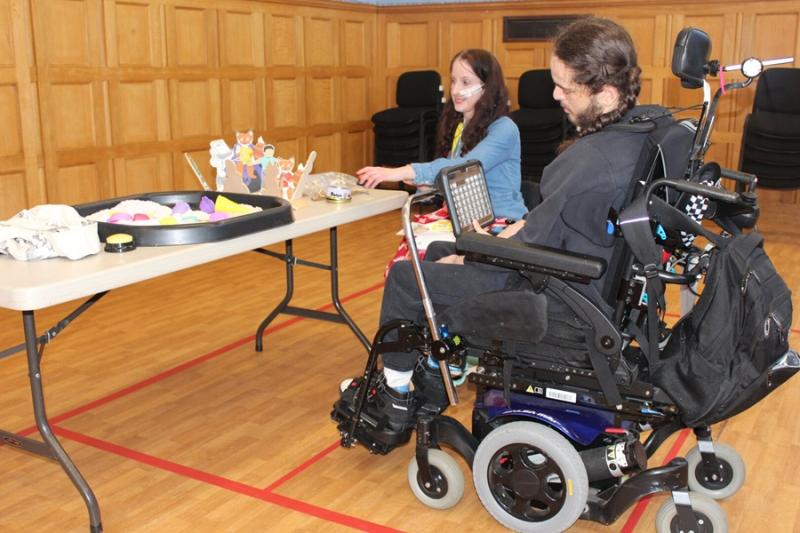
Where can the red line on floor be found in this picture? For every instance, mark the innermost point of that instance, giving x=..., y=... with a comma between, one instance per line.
x=283, y=479
x=638, y=511
x=188, y=364
x=265, y=494
x=222, y=482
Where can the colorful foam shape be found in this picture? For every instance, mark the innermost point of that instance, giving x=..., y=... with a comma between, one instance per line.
x=180, y=208
x=225, y=205
x=119, y=217
x=216, y=216
x=206, y=205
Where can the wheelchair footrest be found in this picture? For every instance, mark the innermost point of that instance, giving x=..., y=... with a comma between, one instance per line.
x=373, y=434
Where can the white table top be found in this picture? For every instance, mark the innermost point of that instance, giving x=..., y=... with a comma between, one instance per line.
x=32, y=285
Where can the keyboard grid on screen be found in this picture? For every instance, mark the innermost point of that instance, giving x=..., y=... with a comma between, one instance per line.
x=471, y=200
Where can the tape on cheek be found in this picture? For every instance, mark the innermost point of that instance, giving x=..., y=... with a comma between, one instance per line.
x=472, y=91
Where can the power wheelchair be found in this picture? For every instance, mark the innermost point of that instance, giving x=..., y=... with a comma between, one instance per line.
x=553, y=441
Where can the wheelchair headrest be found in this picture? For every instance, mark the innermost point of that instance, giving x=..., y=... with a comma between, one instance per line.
x=690, y=57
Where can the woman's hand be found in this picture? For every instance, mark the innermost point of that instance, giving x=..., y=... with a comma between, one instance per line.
x=511, y=230
x=478, y=228
x=371, y=176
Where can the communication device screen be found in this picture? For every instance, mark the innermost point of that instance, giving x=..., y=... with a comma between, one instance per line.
x=467, y=196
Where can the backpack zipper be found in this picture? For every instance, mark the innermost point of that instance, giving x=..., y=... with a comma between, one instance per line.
x=778, y=322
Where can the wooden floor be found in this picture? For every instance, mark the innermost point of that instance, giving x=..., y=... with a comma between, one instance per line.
x=179, y=425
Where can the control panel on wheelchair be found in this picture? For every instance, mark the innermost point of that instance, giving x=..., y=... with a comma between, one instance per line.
x=554, y=440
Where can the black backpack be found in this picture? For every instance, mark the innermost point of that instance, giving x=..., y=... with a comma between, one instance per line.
x=666, y=150
x=664, y=153
x=721, y=357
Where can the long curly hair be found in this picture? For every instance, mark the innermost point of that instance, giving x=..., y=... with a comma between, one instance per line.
x=601, y=53
x=492, y=104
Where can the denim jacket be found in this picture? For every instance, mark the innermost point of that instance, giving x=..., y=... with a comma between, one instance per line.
x=499, y=152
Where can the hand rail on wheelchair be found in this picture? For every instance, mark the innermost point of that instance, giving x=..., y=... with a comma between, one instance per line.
x=713, y=193
x=730, y=210
x=427, y=304
x=751, y=68
x=744, y=180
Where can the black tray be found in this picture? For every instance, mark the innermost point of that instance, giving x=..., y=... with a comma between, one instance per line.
x=275, y=212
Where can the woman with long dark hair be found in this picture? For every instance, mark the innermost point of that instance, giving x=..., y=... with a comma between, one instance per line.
x=473, y=125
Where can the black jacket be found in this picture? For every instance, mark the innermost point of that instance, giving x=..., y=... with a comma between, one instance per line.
x=586, y=182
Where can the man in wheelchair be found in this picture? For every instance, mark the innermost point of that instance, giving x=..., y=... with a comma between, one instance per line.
x=597, y=80
x=565, y=311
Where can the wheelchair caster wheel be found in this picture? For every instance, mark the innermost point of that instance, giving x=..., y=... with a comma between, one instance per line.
x=721, y=484
x=710, y=516
x=448, y=481
x=530, y=478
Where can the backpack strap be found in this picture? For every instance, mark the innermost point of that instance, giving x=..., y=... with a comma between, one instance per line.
x=635, y=224
x=602, y=372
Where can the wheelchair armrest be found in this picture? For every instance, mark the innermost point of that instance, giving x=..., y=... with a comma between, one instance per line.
x=517, y=255
x=741, y=208
x=744, y=180
x=708, y=191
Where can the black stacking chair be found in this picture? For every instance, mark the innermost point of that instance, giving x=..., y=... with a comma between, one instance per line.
x=771, y=137
x=542, y=127
x=406, y=133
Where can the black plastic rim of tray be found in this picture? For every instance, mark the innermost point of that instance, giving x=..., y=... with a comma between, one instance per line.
x=274, y=212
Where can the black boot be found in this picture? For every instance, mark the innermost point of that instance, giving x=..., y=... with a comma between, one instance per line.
x=398, y=409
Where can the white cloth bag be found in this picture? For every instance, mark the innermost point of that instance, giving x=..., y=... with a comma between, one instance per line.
x=47, y=231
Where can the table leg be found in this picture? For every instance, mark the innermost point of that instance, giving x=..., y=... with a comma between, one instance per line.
x=335, y=291
x=280, y=308
x=34, y=371
x=283, y=307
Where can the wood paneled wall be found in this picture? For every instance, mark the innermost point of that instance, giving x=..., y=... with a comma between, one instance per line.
x=119, y=89
x=100, y=98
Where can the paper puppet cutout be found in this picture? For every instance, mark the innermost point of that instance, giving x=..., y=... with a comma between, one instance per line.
x=258, y=150
x=244, y=157
x=219, y=152
x=253, y=168
x=234, y=181
x=286, y=177
x=267, y=156
x=271, y=180
x=305, y=171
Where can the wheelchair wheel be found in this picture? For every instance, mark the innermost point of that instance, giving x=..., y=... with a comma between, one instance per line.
x=530, y=478
x=723, y=484
x=449, y=481
x=710, y=516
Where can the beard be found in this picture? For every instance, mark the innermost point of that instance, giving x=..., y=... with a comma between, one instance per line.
x=588, y=117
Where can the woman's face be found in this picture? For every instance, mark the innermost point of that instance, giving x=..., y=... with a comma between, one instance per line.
x=466, y=88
